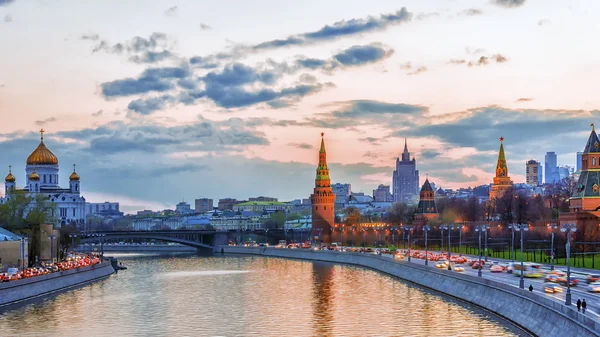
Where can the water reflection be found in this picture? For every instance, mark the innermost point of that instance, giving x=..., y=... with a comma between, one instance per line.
x=246, y=296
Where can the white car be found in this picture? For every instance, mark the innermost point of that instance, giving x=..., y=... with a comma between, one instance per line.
x=594, y=287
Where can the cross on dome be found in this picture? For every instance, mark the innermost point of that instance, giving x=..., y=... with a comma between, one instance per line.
x=74, y=167
x=592, y=125
x=9, y=168
x=42, y=134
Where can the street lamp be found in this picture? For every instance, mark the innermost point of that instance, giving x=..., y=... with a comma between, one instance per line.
x=552, y=227
x=426, y=229
x=521, y=227
x=342, y=236
x=408, y=230
x=51, y=238
x=479, y=229
x=568, y=228
x=364, y=239
x=485, y=231
x=512, y=230
x=23, y=252
x=460, y=229
x=447, y=228
x=442, y=239
x=73, y=236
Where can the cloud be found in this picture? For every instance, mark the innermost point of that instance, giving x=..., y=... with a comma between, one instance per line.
x=524, y=99
x=149, y=105
x=508, y=3
x=8, y=18
x=543, y=22
x=303, y=146
x=371, y=155
x=152, y=49
x=454, y=61
x=205, y=26
x=419, y=70
x=98, y=113
x=45, y=121
x=360, y=55
x=412, y=70
x=151, y=80
x=371, y=140
x=172, y=11
x=472, y=12
x=339, y=29
x=430, y=154
x=485, y=60
x=6, y=2
x=308, y=79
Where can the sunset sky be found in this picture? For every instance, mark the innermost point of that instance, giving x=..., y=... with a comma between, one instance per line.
x=159, y=101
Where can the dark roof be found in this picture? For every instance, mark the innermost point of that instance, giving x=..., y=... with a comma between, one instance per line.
x=585, y=184
x=426, y=186
x=593, y=143
x=426, y=206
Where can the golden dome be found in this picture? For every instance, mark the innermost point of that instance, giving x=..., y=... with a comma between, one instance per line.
x=74, y=176
x=42, y=155
x=34, y=176
x=10, y=178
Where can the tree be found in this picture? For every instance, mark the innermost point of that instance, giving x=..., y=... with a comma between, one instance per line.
x=352, y=216
x=400, y=213
x=275, y=220
x=12, y=213
x=474, y=209
x=41, y=211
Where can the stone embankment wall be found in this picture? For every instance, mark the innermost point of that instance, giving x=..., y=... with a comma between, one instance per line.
x=535, y=313
x=31, y=288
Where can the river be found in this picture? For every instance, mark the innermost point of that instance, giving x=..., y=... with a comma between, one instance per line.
x=183, y=295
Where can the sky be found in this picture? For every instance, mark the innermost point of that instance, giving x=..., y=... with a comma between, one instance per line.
x=162, y=101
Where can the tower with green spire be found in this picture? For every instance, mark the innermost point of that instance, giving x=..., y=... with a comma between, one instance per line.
x=322, y=199
x=502, y=181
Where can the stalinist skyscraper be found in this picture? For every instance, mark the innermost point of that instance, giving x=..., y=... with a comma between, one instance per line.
x=405, y=178
x=323, y=199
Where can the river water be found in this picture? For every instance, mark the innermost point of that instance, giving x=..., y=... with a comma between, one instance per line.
x=248, y=296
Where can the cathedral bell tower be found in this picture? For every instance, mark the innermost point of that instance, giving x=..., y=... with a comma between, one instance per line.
x=322, y=200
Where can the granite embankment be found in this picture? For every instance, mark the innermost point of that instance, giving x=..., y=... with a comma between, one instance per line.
x=31, y=288
x=537, y=314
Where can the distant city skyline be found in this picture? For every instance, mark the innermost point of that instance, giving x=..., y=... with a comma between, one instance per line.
x=171, y=100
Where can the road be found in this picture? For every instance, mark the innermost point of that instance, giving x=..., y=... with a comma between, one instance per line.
x=580, y=291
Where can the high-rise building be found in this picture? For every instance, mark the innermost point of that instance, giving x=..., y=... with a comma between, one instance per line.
x=551, y=168
x=405, y=178
x=203, y=205
x=565, y=171
x=342, y=192
x=578, y=163
x=228, y=203
x=382, y=193
x=533, y=173
x=502, y=181
x=322, y=200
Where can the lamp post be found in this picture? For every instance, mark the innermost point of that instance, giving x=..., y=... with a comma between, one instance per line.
x=266, y=236
x=342, y=236
x=479, y=229
x=485, y=231
x=521, y=228
x=552, y=227
x=23, y=252
x=512, y=230
x=568, y=228
x=364, y=239
x=73, y=236
x=460, y=229
x=102, y=245
x=408, y=229
x=353, y=235
x=442, y=239
x=51, y=238
x=426, y=229
x=447, y=228
x=394, y=229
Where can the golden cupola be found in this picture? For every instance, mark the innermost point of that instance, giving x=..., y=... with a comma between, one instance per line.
x=10, y=178
x=74, y=176
x=42, y=155
x=34, y=176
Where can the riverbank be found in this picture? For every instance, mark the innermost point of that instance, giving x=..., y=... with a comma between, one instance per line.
x=138, y=248
x=539, y=315
x=15, y=292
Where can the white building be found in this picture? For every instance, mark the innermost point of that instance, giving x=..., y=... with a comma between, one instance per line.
x=41, y=178
x=184, y=208
x=102, y=208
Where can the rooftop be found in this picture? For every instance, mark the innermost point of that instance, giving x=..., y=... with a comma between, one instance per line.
x=263, y=203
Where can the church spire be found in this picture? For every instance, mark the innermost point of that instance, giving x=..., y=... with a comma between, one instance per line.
x=593, y=143
x=322, y=150
x=501, y=168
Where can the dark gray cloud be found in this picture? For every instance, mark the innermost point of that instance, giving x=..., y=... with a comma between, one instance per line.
x=205, y=26
x=6, y=2
x=360, y=55
x=155, y=48
x=146, y=106
x=172, y=11
x=482, y=60
x=8, y=18
x=372, y=140
x=524, y=99
x=472, y=12
x=204, y=62
x=303, y=146
x=45, y=121
x=339, y=29
x=151, y=80
x=508, y=3
x=429, y=154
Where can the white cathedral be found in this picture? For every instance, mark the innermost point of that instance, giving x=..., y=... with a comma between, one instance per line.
x=41, y=174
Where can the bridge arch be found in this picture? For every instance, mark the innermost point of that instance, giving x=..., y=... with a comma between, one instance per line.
x=148, y=236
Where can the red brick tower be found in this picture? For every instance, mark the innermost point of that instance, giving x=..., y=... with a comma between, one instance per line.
x=322, y=200
x=502, y=181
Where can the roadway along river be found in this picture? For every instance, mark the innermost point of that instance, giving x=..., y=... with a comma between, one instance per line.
x=248, y=296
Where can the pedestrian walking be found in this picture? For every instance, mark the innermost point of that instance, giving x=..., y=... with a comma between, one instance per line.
x=583, y=305
x=578, y=304
x=531, y=287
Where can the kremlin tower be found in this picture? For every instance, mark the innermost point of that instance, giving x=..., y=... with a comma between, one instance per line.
x=322, y=200
x=502, y=181
x=426, y=209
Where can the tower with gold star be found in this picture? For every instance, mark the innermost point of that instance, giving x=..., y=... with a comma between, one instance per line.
x=323, y=199
x=502, y=181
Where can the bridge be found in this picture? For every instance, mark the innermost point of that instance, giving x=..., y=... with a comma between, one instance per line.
x=203, y=240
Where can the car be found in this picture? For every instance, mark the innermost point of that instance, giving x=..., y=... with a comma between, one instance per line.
x=496, y=269
x=563, y=281
x=593, y=278
x=399, y=256
x=458, y=268
x=552, y=288
x=594, y=287
x=552, y=278
x=442, y=264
